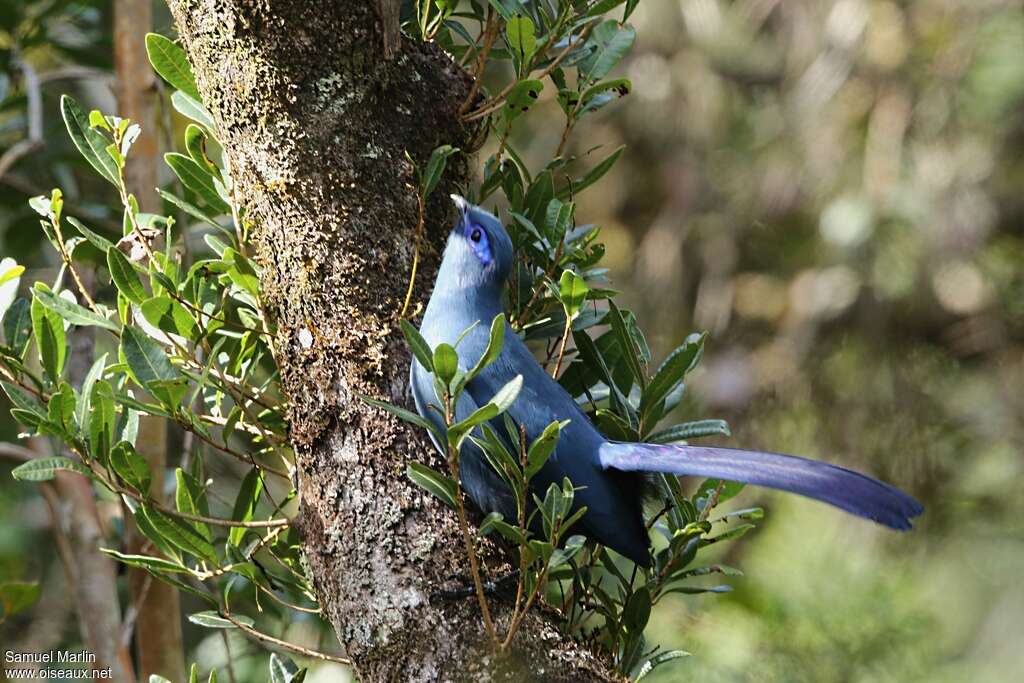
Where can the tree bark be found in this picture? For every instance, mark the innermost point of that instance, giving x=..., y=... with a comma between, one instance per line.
x=316, y=120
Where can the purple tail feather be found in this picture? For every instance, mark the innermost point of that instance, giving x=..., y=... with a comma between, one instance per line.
x=856, y=493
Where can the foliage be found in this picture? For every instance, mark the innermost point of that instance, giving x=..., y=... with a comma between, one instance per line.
x=742, y=179
x=180, y=337
x=558, y=290
x=189, y=344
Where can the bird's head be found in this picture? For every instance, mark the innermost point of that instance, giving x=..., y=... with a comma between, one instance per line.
x=479, y=250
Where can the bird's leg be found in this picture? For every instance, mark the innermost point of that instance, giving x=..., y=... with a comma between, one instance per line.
x=492, y=587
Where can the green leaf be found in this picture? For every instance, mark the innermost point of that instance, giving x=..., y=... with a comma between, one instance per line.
x=690, y=430
x=190, y=209
x=195, y=143
x=101, y=419
x=192, y=108
x=245, y=503
x=130, y=466
x=597, y=96
x=61, y=408
x=178, y=533
x=592, y=358
x=21, y=399
x=186, y=495
x=735, y=532
x=17, y=326
x=435, y=168
x=522, y=39
x=70, y=311
x=169, y=60
x=432, y=481
x=494, y=522
x=169, y=316
x=542, y=448
x=611, y=41
x=211, y=619
x=671, y=372
x=595, y=174
x=146, y=358
x=507, y=394
x=538, y=196
x=728, y=490
x=500, y=402
x=418, y=345
x=48, y=330
x=744, y=513
x=284, y=670
x=657, y=660
x=626, y=343
x=149, y=531
x=446, y=363
x=405, y=415
x=124, y=276
x=495, y=343
x=198, y=179
x=90, y=143
x=31, y=418
x=637, y=611
x=146, y=562
x=501, y=459
x=44, y=469
x=558, y=218
x=96, y=239
x=521, y=98
x=95, y=373
x=572, y=290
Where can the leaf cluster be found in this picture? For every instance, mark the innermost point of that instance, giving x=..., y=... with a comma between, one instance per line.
x=181, y=337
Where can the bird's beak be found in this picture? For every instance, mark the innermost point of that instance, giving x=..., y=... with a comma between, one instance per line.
x=461, y=203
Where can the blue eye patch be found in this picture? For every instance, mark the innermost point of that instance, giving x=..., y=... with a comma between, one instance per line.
x=477, y=238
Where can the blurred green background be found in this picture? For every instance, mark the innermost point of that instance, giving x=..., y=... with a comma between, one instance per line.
x=835, y=191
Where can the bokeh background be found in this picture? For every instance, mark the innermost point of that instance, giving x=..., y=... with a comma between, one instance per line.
x=835, y=191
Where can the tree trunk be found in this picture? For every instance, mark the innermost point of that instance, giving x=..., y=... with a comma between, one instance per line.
x=316, y=118
x=155, y=605
x=94, y=584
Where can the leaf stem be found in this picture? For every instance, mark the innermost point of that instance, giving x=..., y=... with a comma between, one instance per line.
x=474, y=568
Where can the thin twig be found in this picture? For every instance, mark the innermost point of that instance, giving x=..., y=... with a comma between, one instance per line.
x=13, y=451
x=66, y=257
x=498, y=100
x=523, y=318
x=284, y=645
x=453, y=466
x=415, y=254
x=561, y=348
x=490, y=34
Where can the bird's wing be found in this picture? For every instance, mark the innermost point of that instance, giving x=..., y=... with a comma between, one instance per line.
x=541, y=399
x=848, y=490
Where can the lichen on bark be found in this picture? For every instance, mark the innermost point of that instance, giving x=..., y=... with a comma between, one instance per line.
x=316, y=123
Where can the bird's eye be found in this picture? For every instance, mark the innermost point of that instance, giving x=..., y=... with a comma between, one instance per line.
x=475, y=235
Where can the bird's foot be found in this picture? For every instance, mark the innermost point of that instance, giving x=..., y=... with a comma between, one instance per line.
x=467, y=589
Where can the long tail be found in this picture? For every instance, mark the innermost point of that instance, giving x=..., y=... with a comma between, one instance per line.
x=851, y=491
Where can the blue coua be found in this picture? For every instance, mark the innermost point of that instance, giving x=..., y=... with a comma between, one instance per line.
x=610, y=476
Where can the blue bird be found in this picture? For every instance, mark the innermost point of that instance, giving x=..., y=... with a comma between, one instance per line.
x=610, y=476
